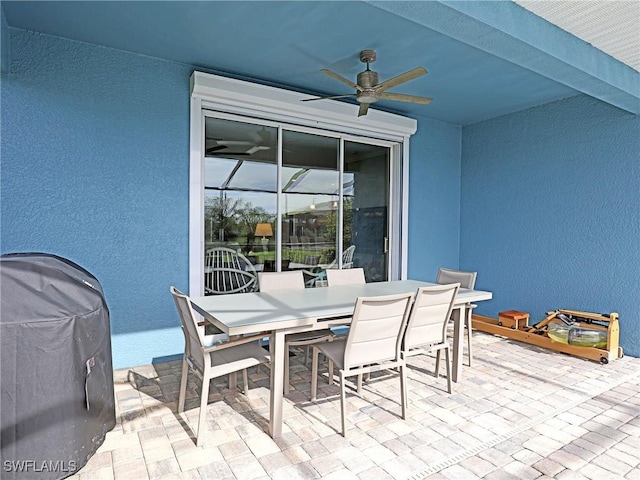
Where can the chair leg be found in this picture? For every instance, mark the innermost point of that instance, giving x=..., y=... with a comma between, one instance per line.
x=330, y=372
x=469, y=321
x=245, y=381
x=446, y=353
x=359, y=384
x=306, y=354
x=233, y=380
x=437, y=373
x=204, y=397
x=403, y=390
x=286, y=368
x=314, y=374
x=183, y=385
x=343, y=404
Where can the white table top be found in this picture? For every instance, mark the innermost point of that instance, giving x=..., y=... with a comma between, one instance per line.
x=254, y=312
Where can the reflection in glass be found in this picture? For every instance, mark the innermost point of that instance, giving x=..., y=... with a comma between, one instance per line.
x=366, y=194
x=240, y=188
x=241, y=194
x=310, y=179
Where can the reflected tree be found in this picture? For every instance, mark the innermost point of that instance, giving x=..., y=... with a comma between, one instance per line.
x=228, y=218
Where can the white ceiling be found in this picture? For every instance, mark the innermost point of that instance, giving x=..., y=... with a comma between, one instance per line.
x=610, y=26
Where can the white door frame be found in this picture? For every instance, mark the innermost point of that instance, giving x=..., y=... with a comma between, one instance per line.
x=226, y=95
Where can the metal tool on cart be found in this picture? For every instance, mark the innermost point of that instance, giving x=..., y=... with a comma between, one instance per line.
x=594, y=336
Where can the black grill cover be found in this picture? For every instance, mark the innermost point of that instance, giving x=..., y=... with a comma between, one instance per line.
x=56, y=373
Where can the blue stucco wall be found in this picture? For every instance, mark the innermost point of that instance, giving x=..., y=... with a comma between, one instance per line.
x=434, y=199
x=550, y=211
x=95, y=163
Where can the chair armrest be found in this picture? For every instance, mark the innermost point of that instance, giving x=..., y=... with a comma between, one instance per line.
x=233, y=343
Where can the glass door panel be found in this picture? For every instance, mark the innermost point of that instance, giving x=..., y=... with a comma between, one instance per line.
x=240, y=197
x=310, y=199
x=365, y=189
x=325, y=206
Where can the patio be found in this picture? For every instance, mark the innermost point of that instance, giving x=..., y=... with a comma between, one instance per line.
x=520, y=412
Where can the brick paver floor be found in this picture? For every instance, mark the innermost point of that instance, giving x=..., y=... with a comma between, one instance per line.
x=519, y=412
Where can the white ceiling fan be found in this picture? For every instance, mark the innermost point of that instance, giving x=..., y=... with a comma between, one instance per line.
x=369, y=91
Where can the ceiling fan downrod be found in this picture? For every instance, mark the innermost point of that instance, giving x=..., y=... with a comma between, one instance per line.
x=367, y=79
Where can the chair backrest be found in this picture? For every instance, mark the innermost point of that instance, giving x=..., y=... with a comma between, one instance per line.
x=349, y=276
x=376, y=330
x=271, y=281
x=227, y=271
x=429, y=315
x=465, y=279
x=193, y=334
x=347, y=256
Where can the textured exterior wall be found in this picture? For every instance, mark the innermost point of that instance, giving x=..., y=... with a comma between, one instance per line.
x=95, y=162
x=550, y=211
x=434, y=199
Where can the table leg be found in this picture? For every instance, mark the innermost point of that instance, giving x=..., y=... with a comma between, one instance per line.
x=458, y=314
x=276, y=349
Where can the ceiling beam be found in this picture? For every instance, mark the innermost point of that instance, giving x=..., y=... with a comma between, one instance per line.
x=508, y=31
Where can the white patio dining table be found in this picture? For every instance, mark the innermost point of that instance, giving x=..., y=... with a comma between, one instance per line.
x=289, y=311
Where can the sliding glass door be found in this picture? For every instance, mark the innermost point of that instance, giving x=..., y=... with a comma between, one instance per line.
x=366, y=189
x=283, y=197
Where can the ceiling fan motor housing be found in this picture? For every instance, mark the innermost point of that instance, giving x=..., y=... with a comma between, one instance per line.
x=367, y=80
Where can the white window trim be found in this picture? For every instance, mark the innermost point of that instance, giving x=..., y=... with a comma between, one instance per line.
x=222, y=94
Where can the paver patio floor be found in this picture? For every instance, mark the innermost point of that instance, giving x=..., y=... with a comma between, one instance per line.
x=520, y=412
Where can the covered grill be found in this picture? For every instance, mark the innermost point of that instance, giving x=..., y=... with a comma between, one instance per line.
x=56, y=371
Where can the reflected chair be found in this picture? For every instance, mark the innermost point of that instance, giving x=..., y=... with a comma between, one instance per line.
x=427, y=325
x=373, y=344
x=293, y=280
x=227, y=271
x=347, y=259
x=315, y=278
x=213, y=361
x=319, y=278
x=466, y=280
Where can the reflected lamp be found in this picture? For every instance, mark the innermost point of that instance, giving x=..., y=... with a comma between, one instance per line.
x=263, y=230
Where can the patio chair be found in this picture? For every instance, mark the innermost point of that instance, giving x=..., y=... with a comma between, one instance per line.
x=466, y=280
x=213, y=361
x=427, y=325
x=227, y=271
x=349, y=276
x=373, y=344
x=293, y=280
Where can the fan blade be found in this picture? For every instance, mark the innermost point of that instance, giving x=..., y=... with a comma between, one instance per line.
x=405, y=77
x=340, y=78
x=364, y=108
x=399, y=97
x=257, y=148
x=328, y=97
